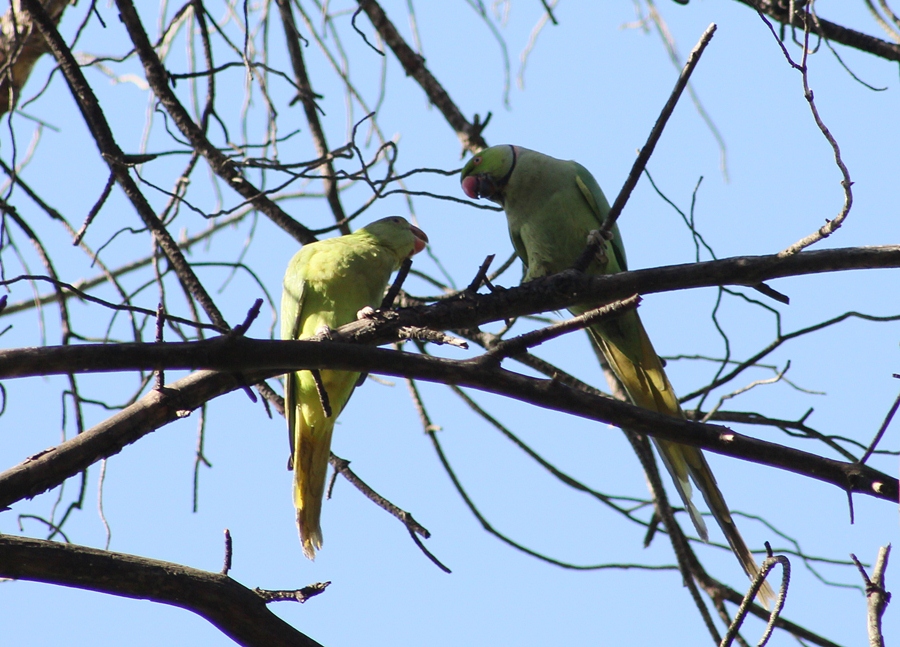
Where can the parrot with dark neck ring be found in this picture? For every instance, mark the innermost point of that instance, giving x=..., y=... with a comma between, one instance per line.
x=551, y=207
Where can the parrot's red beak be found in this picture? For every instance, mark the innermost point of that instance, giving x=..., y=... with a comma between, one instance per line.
x=421, y=239
x=482, y=186
x=470, y=187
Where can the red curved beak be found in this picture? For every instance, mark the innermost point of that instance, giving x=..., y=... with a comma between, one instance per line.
x=470, y=187
x=482, y=186
x=421, y=239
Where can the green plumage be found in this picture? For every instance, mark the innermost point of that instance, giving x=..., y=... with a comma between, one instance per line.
x=326, y=284
x=551, y=206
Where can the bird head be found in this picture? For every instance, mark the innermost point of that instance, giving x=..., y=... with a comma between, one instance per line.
x=486, y=174
x=398, y=234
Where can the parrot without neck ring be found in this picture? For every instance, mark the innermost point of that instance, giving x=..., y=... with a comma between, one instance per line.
x=326, y=284
x=551, y=206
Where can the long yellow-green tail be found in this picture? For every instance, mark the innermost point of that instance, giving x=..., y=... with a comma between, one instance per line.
x=311, y=443
x=312, y=446
x=627, y=348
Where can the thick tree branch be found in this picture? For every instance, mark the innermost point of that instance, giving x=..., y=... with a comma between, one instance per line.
x=51, y=467
x=237, y=611
x=778, y=9
x=550, y=293
x=555, y=292
x=270, y=358
x=562, y=290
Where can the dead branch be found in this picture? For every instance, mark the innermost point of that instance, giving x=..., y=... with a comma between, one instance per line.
x=234, y=609
x=778, y=9
x=113, y=155
x=157, y=77
x=414, y=65
x=21, y=45
x=274, y=357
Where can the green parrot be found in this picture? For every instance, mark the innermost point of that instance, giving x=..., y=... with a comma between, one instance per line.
x=551, y=206
x=327, y=284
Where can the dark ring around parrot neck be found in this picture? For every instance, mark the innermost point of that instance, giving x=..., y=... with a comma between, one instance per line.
x=505, y=178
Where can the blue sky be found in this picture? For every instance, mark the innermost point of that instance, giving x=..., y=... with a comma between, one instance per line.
x=593, y=88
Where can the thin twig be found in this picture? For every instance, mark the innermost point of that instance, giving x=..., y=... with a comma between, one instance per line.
x=296, y=595
x=342, y=466
x=95, y=209
x=414, y=65
x=878, y=597
x=767, y=565
x=688, y=564
x=647, y=150
x=520, y=344
x=112, y=154
x=481, y=274
x=307, y=97
x=252, y=314
x=106, y=304
x=549, y=11
x=391, y=296
x=226, y=565
x=323, y=394
x=158, y=79
x=429, y=335
x=160, y=323
x=830, y=30
x=887, y=421
x=833, y=225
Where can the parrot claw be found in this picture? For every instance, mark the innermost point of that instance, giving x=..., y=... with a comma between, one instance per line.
x=596, y=237
x=597, y=240
x=366, y=313
x=323, y=332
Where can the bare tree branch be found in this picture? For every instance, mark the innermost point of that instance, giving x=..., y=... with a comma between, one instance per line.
x=245, y=94
x=274, y=357
x=307, y=97
x=646, y=151
x=778, y=9
x=158, y=408
x=157, y=77
x=877, y=595
x=21, y=45
x=234, y=609
x=114, y=157
x=469, y=134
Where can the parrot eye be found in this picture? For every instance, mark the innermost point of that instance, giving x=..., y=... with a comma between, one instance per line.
x=476, y=160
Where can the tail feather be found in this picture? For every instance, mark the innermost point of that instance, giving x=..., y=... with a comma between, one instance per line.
x=637, y=366
x=627, y=348
x=706, y=483
x=312, y=447
x=672, y=455
x=311, y=432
